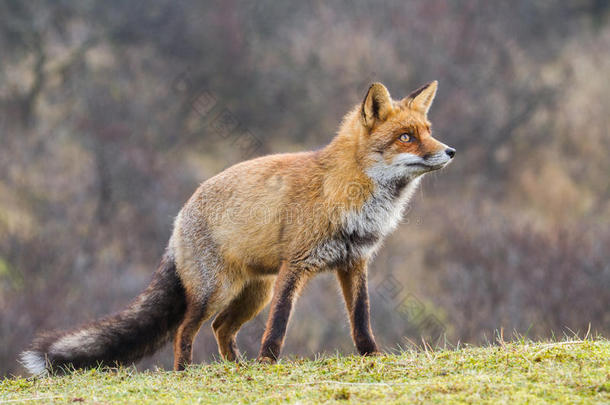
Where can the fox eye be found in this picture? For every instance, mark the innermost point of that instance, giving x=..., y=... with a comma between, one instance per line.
x=406, y=138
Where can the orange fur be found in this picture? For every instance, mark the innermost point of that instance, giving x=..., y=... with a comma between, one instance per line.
x=258, y=231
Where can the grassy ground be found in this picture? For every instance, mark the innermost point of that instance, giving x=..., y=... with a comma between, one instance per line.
x=565, y=372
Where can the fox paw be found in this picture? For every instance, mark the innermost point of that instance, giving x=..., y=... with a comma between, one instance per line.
x=266, y=360
x=376, y=353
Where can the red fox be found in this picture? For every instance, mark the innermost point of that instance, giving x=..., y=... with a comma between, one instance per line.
x=256, y=232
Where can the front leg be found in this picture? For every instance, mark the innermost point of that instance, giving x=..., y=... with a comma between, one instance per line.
x=289, y=281
x=355, y=291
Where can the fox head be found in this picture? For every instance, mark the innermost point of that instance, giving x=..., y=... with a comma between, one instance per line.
x=395, y=136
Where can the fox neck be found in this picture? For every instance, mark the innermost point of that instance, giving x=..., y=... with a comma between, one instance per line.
x=373, y=201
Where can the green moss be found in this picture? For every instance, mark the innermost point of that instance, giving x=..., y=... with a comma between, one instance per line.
x=554, y=372
x=10, y=274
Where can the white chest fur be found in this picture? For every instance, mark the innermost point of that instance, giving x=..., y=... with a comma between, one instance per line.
x=382, y=212
x=363, y=230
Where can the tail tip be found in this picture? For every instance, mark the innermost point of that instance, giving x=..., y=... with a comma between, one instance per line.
x=34, y=362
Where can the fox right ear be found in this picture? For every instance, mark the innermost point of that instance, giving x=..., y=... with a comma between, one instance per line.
x=376, y=105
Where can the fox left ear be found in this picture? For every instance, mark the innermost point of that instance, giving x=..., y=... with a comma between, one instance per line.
x=422, y=98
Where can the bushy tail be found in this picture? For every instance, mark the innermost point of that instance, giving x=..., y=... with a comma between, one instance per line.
x=137, y=331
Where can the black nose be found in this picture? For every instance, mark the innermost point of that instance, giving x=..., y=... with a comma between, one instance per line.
x=450, y=152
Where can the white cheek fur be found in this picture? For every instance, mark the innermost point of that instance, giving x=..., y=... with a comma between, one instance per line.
x=381, y=172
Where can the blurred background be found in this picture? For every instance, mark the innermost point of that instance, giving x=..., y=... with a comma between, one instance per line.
x=111, y=114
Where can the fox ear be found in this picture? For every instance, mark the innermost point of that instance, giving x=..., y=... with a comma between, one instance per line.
x=422, y=98
x=376, y=105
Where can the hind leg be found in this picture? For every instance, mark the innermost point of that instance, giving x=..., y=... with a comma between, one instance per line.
x=250, y=301
x=203, y=300
x=196, y=314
